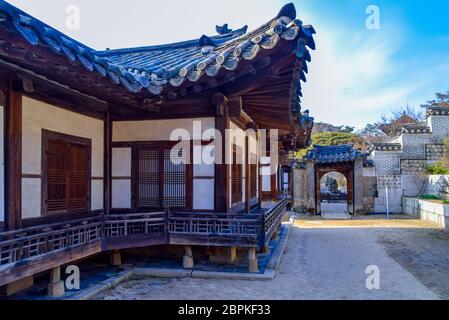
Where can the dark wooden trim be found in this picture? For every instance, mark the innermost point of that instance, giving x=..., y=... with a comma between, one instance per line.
x=56, y=218
x=31, y=176
x=51, y=260
x=247, y=176
x=51, y=135
x=222, y=174
x=13, y=159
x=153, y=143
x=273, y=185
x=204, y=178
x=107, y=166
x=97, y=178
x=121, y=178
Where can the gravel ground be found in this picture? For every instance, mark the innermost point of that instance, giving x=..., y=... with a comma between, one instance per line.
x=327, y=260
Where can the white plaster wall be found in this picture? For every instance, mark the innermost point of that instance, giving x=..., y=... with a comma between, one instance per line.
x=121, y=169
x=121, y=194
x=37, y=115
x=2, y=167
x=31, y=198
x=159, y=130
x=266, y=179
x=203, y=178
x=203, y=194
x=121, y=162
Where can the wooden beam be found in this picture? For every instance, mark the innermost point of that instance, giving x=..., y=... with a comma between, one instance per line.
x=236, y=107
x=13, y=160
x=247, y=176
x=107, y=179
x=222, y=122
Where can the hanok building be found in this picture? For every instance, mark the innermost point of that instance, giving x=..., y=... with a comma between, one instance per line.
x=87, y=165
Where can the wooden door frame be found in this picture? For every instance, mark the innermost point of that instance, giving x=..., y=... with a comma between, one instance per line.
x=52, y=135
x=160, y=145
x=346, y=172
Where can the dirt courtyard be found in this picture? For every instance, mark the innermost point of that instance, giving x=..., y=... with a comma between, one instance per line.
x=328, y=260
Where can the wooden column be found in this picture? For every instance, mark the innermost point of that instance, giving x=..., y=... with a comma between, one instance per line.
x=107, y=176
x=273, y=185
x=259, y=170
x=222, y=122
x=247, y=176
x=13, y=160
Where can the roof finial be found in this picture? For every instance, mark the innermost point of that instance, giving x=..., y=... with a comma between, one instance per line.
x=288, y=10
x=223, y=29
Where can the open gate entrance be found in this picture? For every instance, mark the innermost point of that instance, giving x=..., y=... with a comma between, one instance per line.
x=344, y=160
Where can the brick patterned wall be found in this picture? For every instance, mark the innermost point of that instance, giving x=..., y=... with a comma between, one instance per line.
x=414, y=145
x=390, y=181
x=440, y=127
x=387, y=163
x=436, y=151
x=411, y=167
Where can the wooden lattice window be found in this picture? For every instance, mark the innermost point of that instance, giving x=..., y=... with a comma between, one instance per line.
x=160, y=182
x=148, y=179
x=236, y=176
x=66, y=176
x=253, y=176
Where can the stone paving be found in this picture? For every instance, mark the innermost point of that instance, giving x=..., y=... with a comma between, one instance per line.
x=327, y=260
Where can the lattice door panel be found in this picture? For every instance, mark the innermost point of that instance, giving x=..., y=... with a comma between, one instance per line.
x=78, y=199
x=175, y=180
x=149, y=179
x=56, y=176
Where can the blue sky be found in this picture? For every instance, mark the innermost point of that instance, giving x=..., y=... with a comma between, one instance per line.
x=356, y=74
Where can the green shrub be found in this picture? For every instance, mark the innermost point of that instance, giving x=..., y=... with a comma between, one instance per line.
x=445, y=201
x=437, y=168
x=429, y=197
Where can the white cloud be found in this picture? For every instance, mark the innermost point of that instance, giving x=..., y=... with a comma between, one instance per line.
x=350, y=74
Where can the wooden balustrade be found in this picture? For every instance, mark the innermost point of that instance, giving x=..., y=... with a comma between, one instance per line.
x=121, y=231
x=27, y=243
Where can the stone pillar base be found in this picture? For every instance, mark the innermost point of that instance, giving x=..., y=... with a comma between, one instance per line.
x=19, y=285
x=56, y=290
x=56, y=287
x=187, y=260
x=253, y=264
x=116, y=258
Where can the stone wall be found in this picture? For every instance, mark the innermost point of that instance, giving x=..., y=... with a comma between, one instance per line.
x=387, y=163
x=300, y=189
x=414, y=145
x=436, y=152
x=427, y=211
x=413, y=167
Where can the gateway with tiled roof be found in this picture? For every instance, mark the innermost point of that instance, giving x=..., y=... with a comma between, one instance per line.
x=333, y=154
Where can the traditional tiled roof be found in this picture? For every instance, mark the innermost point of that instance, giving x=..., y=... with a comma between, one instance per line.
x=155, y=68
x=386, y=147
x=416, y=129
x=437, y=111
x=333, y=154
